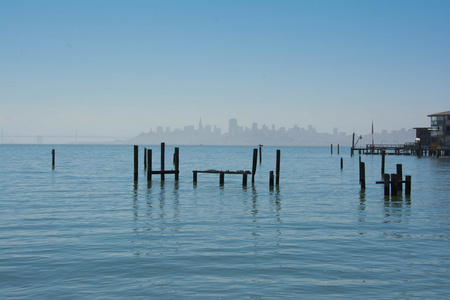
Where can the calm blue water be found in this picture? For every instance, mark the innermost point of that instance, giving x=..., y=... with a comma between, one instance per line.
x=85, y=230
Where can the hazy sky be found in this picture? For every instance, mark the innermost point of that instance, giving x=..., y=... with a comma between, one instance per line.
x=122, y=67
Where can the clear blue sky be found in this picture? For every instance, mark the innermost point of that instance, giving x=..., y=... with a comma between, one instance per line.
x=122, y=67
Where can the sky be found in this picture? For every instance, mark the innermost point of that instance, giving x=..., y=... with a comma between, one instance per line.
x=119, y=68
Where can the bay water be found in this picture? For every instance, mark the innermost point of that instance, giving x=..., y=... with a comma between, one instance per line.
x=86, y=230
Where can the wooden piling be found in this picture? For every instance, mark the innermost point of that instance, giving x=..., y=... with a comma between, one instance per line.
x=332, y=149
x=260, y=153
x=145, y=158
x=136, y=164
x=255, y=158
x=244, y=179
x=338, y=149
x=222, y=178
x=163, y=149
x=342, y=163
x=386, y=184
x=399, y=177
x=194, y=174
x=360, y=169
x=177, y=163
x=277, y=169
x=53, y=158
x=149, y=164
x=363, y=175
x=271, y=179
x=394, y=184
x=383, y=156
x=408, y=185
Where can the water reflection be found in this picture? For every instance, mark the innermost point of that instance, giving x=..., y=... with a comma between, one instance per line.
x=396, y=210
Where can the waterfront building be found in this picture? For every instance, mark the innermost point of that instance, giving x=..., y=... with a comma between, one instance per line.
x=440, y=130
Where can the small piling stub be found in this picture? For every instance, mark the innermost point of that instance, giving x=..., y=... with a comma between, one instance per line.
x=136, y=162
x=408, y=185
x=394, y=184
x=342, y=163
x=362, y=175
x=338, y=149
x=383, y=159
x=53, y=158
x=271, y=179
x=260, y=153
x=331, y=148
x=386, y=184
x=244, y=179
x=194, y=174
x=145, y=158
x=222, y=178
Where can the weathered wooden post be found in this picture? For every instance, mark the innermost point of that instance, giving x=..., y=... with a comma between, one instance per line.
x=338, y=149
x=163, y=149
x=136, y=159
x=363, y=175
x=194, y=173
x=53, y=158
x=260, y=153
x=244, y=179
x=145, y=158
x=393, y=184
x=331, y=149
x=383, y=156
x=353, y=145
x=255, y=157
x=408, y=185
x=399, y=177
x=149, y=164
x=386, y=184
x=177, y=163
x=277, y=169
x=271, y=179
x=222, y=178
x=342, y=163
x=360, y=169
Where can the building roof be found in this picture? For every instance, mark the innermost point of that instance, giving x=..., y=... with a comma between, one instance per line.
x=444, y=113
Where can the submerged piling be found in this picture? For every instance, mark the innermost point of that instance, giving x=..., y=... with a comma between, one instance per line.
x=271, y=179
x=149, y=164
x=255, y=158
x=362, y=175
x=342, y=163
x=399, y=177
x=277, y=169
x=163, y=147
x=136, y=159
x=408, y=185
x=177, y=163
x=386, y=184
x=53, y=158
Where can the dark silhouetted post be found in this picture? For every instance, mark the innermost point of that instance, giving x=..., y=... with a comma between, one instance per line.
x=145, y=158
x=163, y=149
x=277, y=169
x=244, y=179
x=53, y=158
x=177, y=163
x=386, y=184
x=360, y=169
x=383, y=156
x=136, y=159
x=255, y=158
x=222, y=178
x=260, y=153
x=393, y=184
x=408, y=185
x=342, y=163
x=399, y=177
x=271, y=179
x=353, y=145
x=194, y=174
x=331, y=148
x=149, y=164
x=338, y=149
x=363, y=175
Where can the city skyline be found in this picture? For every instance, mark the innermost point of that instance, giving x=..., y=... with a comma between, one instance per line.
x=116, y=68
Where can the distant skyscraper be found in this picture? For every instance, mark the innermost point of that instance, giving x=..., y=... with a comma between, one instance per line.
x=200, y=125
x=232, y=126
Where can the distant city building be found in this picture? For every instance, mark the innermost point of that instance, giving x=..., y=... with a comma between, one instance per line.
x=232, y=127
x=440, y=130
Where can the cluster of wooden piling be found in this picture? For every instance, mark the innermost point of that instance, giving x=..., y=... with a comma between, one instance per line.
x=176, y=171
x=393, y=182
x=148, y=163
